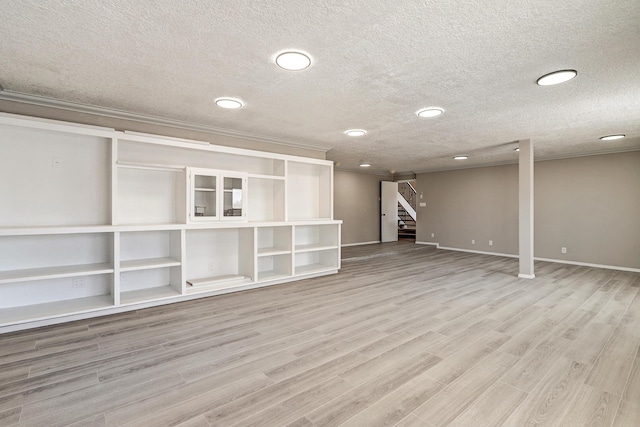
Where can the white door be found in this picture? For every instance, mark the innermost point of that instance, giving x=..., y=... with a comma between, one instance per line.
x=388, y=211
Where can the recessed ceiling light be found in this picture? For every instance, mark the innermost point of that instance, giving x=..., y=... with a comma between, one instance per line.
x=365, y=164
x=229, y=103
x=356, y=132
x=611, y=137
x=460, y=157
x=293, y=61
x=430, y=112
x=557, y=77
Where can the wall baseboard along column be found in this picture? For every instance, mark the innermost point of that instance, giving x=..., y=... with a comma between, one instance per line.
x=526, y=276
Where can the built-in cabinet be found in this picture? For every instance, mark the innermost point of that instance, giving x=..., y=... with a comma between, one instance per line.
x=109, y=221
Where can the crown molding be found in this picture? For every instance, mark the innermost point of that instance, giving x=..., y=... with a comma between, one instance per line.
x=540, y=159
x=43, y=101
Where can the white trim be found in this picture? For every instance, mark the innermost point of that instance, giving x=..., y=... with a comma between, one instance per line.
x=478, y=252
x=588, y=264
x=361, y=243
x=427, y=243
x=526, y=276
x=559, y=261
x=43, y=101
x=538, y=159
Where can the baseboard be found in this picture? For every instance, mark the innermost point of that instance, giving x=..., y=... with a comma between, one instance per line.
x=478, y=252
x=588, y=264
x=559, y=261
x=527, y=276
x=359, y=244
x=427, y=243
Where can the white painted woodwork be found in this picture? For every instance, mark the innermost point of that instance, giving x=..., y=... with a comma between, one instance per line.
x=526, y=196
x=105, y=221
x=388, y=211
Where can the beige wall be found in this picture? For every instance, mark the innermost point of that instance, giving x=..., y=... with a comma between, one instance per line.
x=131, y=125
x=356, y=203
x=590, y=205
x=471, y=204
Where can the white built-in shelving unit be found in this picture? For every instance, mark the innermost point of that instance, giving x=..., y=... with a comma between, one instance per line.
x=96, y=221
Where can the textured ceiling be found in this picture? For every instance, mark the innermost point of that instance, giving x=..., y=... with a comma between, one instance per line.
x=375, y=63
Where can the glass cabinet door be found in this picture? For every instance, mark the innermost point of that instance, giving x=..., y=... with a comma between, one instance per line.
x=233, y=198
x=205, y=197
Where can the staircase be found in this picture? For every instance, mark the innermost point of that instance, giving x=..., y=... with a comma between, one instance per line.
x=406, y=211
x=406, y=224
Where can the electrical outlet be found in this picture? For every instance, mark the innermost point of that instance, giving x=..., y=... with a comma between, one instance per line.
x=433, y=234
x=210, y=267
x=56, y=162
x=473, y=242
x=564, y=250
x=77, y=282
x=423, y=204
x=490, y=242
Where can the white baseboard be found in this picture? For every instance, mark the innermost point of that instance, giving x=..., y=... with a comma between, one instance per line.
x=427, y=243
x=360, y=243
x=588, y=264
x=527, y=276
x=559, y=261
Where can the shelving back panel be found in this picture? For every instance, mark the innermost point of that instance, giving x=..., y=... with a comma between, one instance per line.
x=277, y=238
x=57, y=178
x=139, y=152
x=151, y=196
x=317, y=235
x=150, y=244
x=279, y=265
x=152, y=278
x=22, y=294
x=53, y=250
x=265, y=199
x=309, y=191
x=309, y=262
x=219, y=252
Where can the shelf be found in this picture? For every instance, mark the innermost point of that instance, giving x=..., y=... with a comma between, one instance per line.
x=217, y=282
x=313, y=268
x=265, y=276
x=314, y=247
x=273, y=177
x=148, y=263
x=205, y=189
x=54, y=309
x=148, y=294
x=272, y=251
x=150, y=166
x=12, y=276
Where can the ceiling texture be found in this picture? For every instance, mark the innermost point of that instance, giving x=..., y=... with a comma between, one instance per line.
x=375, y=64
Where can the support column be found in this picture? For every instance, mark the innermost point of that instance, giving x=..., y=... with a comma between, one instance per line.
x=525, y=211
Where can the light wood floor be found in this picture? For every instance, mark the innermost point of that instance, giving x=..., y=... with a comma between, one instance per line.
x=405, y=335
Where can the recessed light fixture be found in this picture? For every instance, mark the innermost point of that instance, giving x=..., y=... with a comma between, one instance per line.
x=460, y=157
x=517, y=149
x=611, y=137
x=365, y=164
x=293, y=60
x=229, y=103
x=430, y=112
x=557, y=77
x=356, y=132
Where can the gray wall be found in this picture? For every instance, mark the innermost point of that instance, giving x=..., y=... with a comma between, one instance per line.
x=590, y=205
x=356, y=203
x=131, y=125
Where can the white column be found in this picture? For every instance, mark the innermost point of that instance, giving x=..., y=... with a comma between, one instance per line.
x=525, y=184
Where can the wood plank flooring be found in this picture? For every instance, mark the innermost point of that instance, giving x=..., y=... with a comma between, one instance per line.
x=405, y=335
